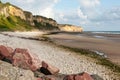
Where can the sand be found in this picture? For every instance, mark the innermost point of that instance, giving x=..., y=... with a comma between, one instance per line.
x=68, y=62
x=108, y=44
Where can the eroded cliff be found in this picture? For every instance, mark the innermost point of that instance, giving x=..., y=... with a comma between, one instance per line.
x=14, y=18
x=70, y=28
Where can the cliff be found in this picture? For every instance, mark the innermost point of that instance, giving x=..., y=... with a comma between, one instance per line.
x=47, y=23
x=70, y=28
x=13, y=18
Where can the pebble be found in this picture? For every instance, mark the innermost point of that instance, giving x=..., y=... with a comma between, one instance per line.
x=68, y=64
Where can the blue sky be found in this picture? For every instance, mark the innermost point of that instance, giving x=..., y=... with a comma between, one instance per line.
x=92, y=15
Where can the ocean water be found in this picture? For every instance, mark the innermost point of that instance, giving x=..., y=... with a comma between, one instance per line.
x=106, y=32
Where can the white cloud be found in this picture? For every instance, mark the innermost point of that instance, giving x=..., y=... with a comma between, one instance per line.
x=37, y=7
x=25, y=1
x=48, y=12
x=81, y=15
x=89, y=3
x=89, y=7
x=112, y=14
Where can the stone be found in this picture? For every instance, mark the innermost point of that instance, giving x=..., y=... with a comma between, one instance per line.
x=24, y=59
x=48, y=69
x=82, y=76
x=39, y=79
x=6, y=52
x=96, y=77
x=8, y=72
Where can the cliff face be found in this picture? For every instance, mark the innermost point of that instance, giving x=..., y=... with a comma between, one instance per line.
x=70, y=28
x=47, y=23
x=7, y=10
x=14, y=18
x=4, y=10
x=16, y=12
x=29, y=17
x=41, y=19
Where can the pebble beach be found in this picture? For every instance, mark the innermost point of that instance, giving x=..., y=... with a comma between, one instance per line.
x=68, y=62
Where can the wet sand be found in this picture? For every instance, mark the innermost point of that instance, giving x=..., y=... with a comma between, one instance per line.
x=105, y=43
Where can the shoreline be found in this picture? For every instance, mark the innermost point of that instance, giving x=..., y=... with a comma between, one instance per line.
x=107, y=44
x=64, y=58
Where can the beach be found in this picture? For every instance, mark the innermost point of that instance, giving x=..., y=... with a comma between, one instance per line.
x=68, y=62
x=108, y=44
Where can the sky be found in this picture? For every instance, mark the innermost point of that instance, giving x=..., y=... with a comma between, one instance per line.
x=92, y=15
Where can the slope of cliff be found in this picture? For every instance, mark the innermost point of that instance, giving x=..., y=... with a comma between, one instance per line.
x=70, y=28
x=13, y=18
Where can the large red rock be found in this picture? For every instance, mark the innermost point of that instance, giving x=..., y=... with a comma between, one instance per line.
x=6, y=52
x=83, y=76
x=48, y=69
x=39, y=78
x=24, y=59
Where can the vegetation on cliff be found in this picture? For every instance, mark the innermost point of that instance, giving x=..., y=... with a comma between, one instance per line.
x=13, y=23
x=13, y=18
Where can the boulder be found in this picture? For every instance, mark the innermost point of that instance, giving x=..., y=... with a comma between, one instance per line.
x=8, y=72
x=39, y=78
x=6, y=52
x=82, y=76
x=24, y=59
x=48, y=69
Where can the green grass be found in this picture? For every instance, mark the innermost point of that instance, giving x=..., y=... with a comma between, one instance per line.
x=13, y=23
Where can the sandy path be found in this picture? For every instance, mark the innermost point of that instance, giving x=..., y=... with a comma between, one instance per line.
x=66, y=61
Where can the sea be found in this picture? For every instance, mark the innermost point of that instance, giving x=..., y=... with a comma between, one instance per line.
x=106, y=32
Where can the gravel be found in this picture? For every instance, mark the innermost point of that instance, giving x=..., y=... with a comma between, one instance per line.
x=68, y=62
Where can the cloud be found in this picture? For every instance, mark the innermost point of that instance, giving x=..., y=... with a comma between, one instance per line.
x=108, y=20
x=112, y=14
x=81, y=14
x=89, y=7
x=37, y=7
x=75, y=17
x=24, y=1
x=89, y=3
x=48, y=12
